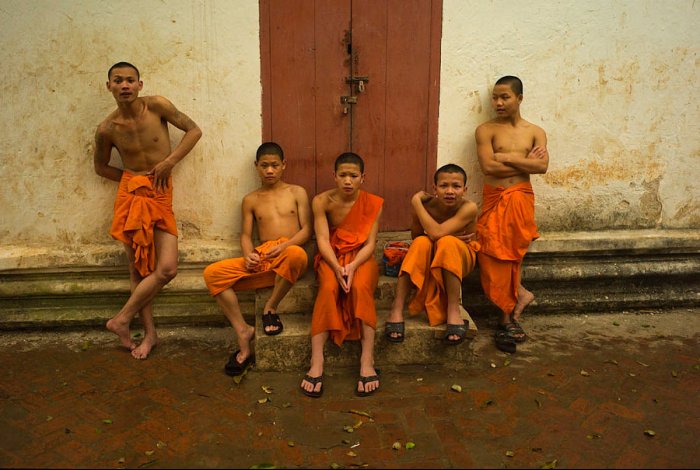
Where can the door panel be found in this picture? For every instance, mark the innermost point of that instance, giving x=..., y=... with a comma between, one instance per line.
x=309, y=50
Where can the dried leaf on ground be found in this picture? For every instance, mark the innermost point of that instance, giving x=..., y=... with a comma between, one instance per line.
x=510, y=453
x=550, y=464
x=584, y=373
x=263, y=400
x=107, y=421
x=266, y=389
x=649, y=432
x=456, y=388
x=396, y=445
x=594, y=435
x=361, y=413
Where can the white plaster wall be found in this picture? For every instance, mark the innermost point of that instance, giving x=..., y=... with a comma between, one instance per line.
x=202, y=55
x=614, y=85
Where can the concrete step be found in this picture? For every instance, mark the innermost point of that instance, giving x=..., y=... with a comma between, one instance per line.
x=422, y=344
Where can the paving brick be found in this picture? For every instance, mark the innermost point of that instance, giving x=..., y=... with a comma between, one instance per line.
x=178, y=408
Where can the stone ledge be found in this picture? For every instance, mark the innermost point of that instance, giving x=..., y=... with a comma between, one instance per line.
x=111, y=254
x=581, y=272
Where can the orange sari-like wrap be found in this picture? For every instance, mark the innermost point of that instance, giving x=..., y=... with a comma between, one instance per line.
x=335, y=311
x=424, y=263
x=139, y=209
x=290, y=264
x=505, y=229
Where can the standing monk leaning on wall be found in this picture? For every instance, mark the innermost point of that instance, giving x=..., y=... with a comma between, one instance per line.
x=143, y=214
x=510, y=149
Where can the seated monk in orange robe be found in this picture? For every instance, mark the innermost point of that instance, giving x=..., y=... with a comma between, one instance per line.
x=440, y=256
x=346, y=221
x=283, y=217
x=510, y=149
x=138, y=210
x=232, y=272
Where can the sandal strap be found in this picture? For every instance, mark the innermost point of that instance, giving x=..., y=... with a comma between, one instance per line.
x=395, y=327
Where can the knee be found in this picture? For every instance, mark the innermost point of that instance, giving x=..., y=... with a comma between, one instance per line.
x=422, y=243
x=297, y=256
x=208, y=274
x=447, y=242
x=168, y=272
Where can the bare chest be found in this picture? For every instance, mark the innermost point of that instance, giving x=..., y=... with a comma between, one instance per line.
x=513, y=140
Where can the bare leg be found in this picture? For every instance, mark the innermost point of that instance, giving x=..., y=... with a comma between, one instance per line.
x=228, y=301
x=148, y=288
x=316, y=370
x=525, y=297
x=279, y=290
x=403, y=288
x=453, y=287
x=367, y=360
x=150, y=338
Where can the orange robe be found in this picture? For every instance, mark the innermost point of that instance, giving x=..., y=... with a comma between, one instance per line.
x=424, y=263
x=505, y=229
x=138, y=210
x=335, y=311
x=290, y=264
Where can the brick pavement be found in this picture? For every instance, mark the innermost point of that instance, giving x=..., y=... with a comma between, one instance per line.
x=582, y=391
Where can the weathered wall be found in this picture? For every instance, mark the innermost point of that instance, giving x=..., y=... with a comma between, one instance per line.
x=613, y=84
x=202, y=55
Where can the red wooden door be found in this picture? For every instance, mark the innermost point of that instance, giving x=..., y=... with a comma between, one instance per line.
x=314, y=53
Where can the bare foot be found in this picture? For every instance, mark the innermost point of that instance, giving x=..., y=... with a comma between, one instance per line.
x=525, y=297
x=311, y=387
x=122, y=331
x=244, y=339
x=143, y=349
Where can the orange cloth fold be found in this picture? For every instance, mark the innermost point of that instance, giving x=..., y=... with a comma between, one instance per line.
x=505, y=229
x=424, y=263
x=335, y=311
x=290, y=264
x=139, y=209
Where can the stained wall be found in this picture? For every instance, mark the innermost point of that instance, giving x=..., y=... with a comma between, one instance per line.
x=614, y=84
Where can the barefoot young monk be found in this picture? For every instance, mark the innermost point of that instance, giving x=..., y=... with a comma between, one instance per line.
x=440, y=256
x=510, y=149
x=282, y=215
x=346, y=222
x=143, y=216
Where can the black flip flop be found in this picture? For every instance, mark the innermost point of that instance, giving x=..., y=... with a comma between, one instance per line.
x=460, y=331
x=272, y=319
x=395, y=327
x=504, y=342
x=313, y=381
x=235, y=368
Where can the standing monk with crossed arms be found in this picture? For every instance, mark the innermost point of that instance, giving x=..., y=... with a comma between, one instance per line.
x=143, y=214
x=510, y=149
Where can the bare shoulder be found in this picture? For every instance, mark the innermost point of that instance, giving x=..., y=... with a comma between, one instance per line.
x=105, y=128
x=486, y=128
x=531, y=127
x=297, y=190
x=322, y=200
x=158, y=104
